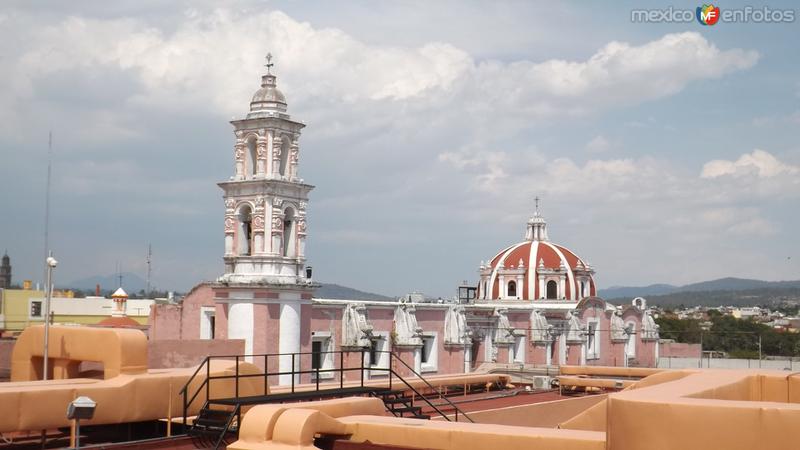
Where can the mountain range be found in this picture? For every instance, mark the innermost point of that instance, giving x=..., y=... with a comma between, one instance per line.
x=133, y=283
x=721, y=284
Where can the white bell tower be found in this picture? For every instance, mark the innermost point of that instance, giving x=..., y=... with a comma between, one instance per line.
x=265, y=200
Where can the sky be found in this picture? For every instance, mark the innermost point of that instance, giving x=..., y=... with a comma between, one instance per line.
x=662, y=152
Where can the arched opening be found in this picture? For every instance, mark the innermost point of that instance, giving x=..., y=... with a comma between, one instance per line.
x=245, y=231
x=252, y=157
x=552, y=290
x=289, y=247
x=583, y=289
x=512, y=288
x=285, y=149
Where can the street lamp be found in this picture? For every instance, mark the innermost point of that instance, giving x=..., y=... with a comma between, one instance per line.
x=51, y=264
x=80, y=408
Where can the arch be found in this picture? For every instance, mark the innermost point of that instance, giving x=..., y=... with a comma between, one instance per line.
x=583, y=292
x=251, y=156
x=289, y=233
x=552, y=290
x=244, y=230
x=286, y=142
x=512, y=288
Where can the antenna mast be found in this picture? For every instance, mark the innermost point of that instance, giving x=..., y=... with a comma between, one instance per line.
x=47, y=203
x=149, y=259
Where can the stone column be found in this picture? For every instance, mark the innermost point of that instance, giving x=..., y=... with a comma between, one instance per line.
x=277, y=226
x=277, y=141
x=258, y=226
x=261, y=151
x=230, y=225
x=562, y=292
x=519, y=287
x=301, y=231
x=294, y=156
x=289, y=340
x=238, y=151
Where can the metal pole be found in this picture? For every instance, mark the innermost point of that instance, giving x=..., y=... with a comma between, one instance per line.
x=700, y=365
x=49, y=293
x=759, y=351
x=77, y=434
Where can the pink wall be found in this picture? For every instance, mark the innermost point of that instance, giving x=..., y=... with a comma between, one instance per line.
x=181, y=321
x=187, y=353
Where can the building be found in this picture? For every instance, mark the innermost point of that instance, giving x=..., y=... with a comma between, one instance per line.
x=20, y=308
x=5, y=272
x=536, y=302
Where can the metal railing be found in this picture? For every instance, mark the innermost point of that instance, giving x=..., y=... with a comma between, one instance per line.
x=189, y=396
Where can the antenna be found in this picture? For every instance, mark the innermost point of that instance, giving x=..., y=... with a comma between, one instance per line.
x=149, y=260
x=119, y=274
x=47, y=202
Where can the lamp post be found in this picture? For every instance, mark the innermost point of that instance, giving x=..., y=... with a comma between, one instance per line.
x=51, y=264
x=80, y=408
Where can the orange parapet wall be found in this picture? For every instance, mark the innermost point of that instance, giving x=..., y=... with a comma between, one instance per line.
x=121, y=351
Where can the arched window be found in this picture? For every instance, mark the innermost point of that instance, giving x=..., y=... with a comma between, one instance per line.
x=251, y=158
x=552, y=290
x=285, y=149
x=512, y=288
x=289, y=247
x=245, y=231
x=583, y=289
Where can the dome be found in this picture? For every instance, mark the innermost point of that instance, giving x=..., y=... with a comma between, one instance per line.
x=536, y=269
x=267, y=99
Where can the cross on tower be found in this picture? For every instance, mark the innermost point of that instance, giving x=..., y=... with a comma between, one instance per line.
x=536, y=200
x=269, y=63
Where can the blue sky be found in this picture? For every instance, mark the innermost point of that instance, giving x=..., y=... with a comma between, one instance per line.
x=662, y=152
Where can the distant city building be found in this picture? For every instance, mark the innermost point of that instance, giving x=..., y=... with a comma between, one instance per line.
x=536, y=304
x=5, y=272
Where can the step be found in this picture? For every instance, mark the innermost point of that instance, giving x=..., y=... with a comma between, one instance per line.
x=394, y=401
x=411, y=409
x=420, y=416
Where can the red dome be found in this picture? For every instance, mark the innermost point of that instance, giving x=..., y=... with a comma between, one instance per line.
x=558, y=274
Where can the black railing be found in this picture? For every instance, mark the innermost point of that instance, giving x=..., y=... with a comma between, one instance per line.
x=190, y=397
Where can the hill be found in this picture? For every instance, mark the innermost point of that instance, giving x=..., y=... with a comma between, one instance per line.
x=130, y=282
x=338, y=292
x=721, y=284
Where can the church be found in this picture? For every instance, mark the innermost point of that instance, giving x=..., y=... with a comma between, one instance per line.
x=535, y=302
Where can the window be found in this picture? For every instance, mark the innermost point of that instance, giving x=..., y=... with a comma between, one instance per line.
x=429, y=354
x=552, y=290
x=285, y=149
x=583, y=289
x=379, y=354
x=36, y=309
x=321, y=356
x=252, y=157
x=207, y=322
x=288, y=233
x=593, y=340
x=631, y=347
x=245, y=230
x=316, y=355
x=517, y=353
x=512, y=289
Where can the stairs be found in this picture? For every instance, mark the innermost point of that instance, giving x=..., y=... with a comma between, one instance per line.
x=399, y=404
x=212, y=425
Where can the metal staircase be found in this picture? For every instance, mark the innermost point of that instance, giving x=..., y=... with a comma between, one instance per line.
x=220, y=417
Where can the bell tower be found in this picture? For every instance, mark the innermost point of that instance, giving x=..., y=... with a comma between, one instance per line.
x=264, y=296
x=265, y=200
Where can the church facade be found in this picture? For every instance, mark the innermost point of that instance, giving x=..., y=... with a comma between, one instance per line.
x=536, y=301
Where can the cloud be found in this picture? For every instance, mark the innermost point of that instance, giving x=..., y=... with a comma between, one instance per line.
x=759, y=163
x=598, y=144
x=210, y=59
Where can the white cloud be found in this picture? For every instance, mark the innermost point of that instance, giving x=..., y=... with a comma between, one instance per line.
x=598, y=144
x=210, y=61
x=759, y=163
